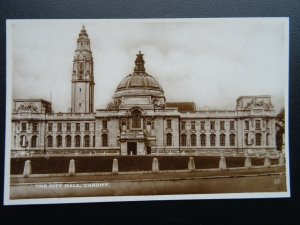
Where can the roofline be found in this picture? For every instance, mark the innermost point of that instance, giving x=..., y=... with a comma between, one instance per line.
x=31, y=100
x=253, y=96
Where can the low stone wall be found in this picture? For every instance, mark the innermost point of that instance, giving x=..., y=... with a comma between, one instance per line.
x=49, y=165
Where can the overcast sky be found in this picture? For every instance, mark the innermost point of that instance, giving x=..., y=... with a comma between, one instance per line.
x=209, y=61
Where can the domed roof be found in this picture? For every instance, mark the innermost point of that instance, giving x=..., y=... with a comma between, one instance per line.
x=139, y=82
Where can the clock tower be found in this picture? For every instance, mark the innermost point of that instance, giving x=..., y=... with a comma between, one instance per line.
x=83, y=76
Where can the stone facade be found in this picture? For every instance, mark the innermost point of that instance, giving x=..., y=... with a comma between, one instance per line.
x=138, y=120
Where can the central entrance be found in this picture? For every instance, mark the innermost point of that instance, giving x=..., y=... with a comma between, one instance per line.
x=131, y=147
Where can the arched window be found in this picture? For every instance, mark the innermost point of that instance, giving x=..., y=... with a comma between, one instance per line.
x=59, y=141
x=212, y=140
x=86, y=141
x=258, y=139
x=232, y=140
x=169, y=139
x=49, y=141
x=268, y=139
x=68, y=141
x=77, y=141
x=183, y=140
x=193, y=140
x=136, y=119
x=222, y=139
x=34, y=141
x=104, y=140
x=203, y=139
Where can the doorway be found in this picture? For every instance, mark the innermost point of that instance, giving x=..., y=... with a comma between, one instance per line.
x=131, y=147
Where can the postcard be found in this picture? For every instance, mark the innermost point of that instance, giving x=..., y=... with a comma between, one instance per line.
x=146, y=109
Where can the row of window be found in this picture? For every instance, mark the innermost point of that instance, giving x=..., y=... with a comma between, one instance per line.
x=203, y=140
x=202, y=125
x=59, y=127
x=257, y=124
x=34, y=127
x=212, y=139
x=136, y=123
x=77, y=127
x=258, y=139
x=68, y=141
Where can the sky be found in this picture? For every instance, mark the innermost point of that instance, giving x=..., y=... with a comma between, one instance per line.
x=209, y=61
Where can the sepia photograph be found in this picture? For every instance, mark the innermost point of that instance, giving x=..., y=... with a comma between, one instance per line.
x=146, y=109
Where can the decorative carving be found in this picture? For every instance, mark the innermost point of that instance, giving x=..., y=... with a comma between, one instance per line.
x=115, y=104
x=256, y=103
x=157, y=104
x=29, y=107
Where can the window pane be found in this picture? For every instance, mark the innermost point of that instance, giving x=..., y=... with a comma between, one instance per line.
x=231, y=125
x=257, y=124
x=183, y=140
x=258, y=139
x=136, y=120
x=203, y=139
x=183, y=125
x=104, y=124
x=169, y=139
x=104, y=140
x=212, y=125
x=232, y=139
x=212, y=140
x=193, y=140
x=222, y=139
x=202, y=125
x=193, y=125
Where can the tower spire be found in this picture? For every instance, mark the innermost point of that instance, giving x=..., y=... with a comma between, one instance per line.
x=83, y=75
x=139, y=63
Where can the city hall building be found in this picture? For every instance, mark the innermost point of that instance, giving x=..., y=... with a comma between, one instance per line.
x=139, y=120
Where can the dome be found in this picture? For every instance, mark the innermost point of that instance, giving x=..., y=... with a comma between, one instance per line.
x=139, y=82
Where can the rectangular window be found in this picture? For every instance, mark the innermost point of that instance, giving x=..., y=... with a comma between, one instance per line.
x=23, y=126
x=50, y=127
x=267, y=123
x=193, y=126
x=77, y=126
x=104, y=124
x=86, y=126
x=247, y=125
x=183, y=125
x=231, y=125
x=68, y=126
x=212, y=125
x=202, y=124
x=34, y=127
x=58, y=127
x=169, y=124
x=257, y=124
x=222, y=125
